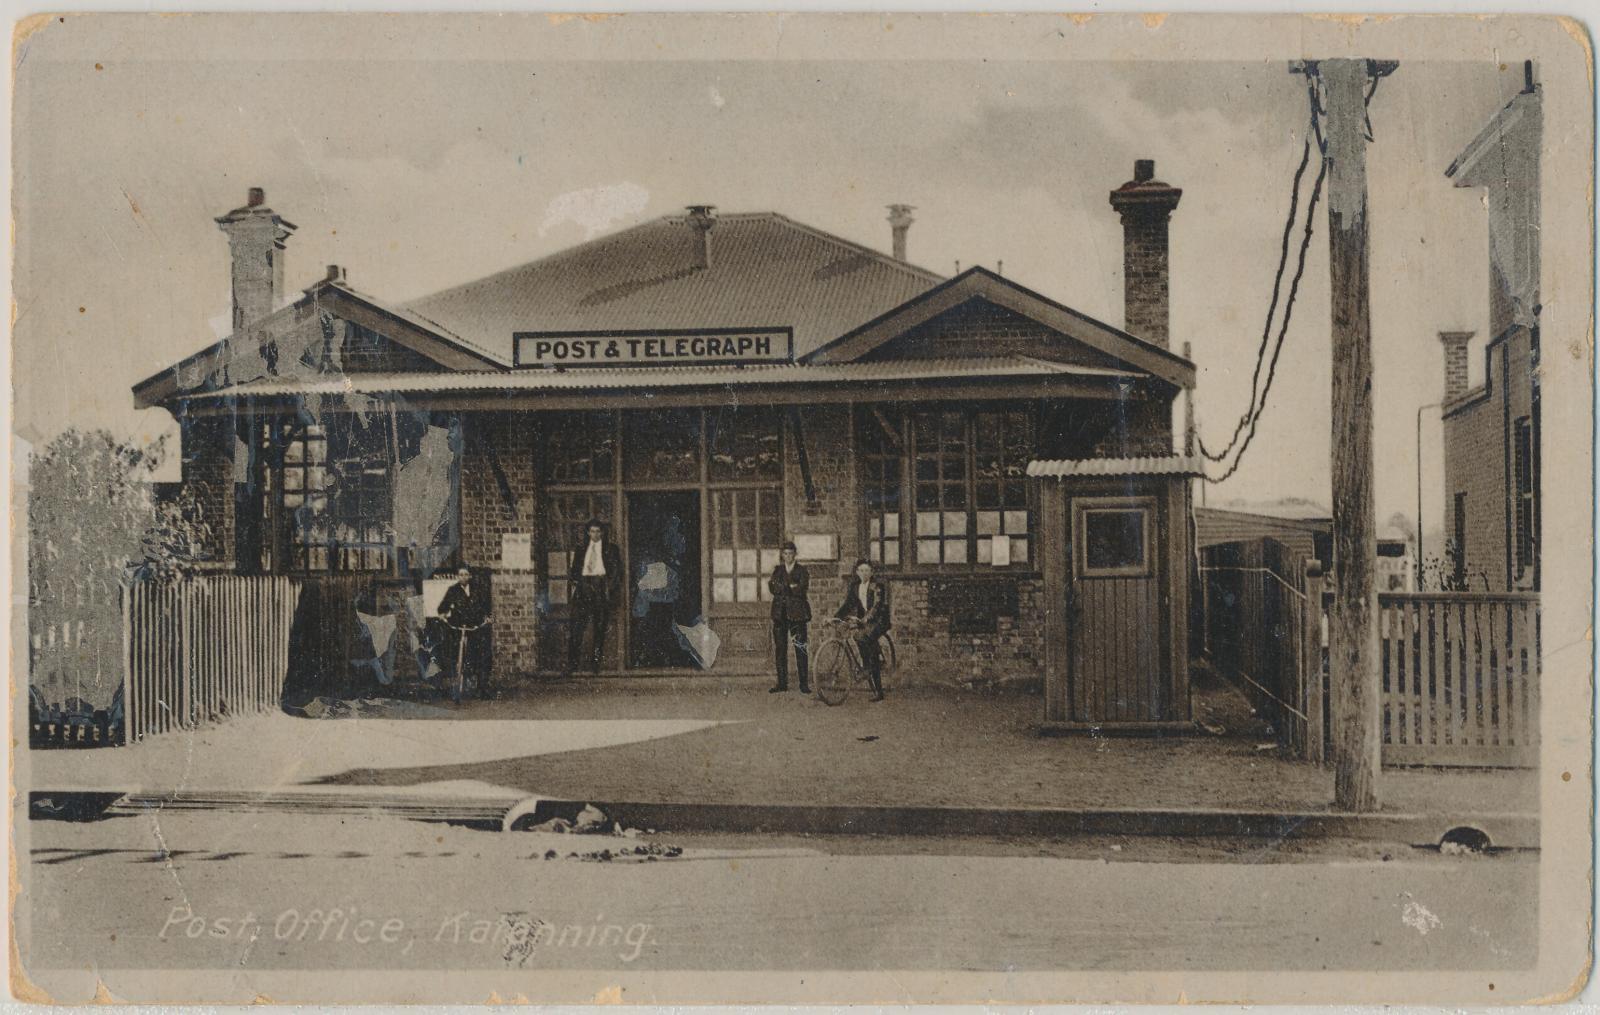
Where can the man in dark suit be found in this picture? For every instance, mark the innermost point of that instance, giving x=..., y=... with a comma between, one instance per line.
x=465, y=613
x=866, y=607
x=596, y=575
x=791, y=612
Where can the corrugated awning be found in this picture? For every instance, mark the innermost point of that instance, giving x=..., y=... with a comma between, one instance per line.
x=654, y=378
x=1154, y=465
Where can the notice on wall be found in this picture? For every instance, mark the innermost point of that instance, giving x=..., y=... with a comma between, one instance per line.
x=516, y=551
x=653, y=348
x=1000, y=550
x=816, y=546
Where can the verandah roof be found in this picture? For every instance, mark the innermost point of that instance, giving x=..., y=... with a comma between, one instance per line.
x=871, y=379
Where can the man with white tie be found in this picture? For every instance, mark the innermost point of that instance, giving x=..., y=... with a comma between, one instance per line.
x=596, y=575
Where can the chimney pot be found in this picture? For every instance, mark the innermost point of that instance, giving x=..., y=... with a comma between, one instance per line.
x=255, y=198
x=702, y=218
x=335, y=273
x=900, y=222
x=1145, y=204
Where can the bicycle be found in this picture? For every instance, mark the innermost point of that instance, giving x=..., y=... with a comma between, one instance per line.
x=836, y=664
x=461, y=659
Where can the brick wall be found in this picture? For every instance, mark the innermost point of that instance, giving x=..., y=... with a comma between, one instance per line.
x=1476, y=455
x=506, y=440
x=980, y=328
x=927, y=650
x=830, y=450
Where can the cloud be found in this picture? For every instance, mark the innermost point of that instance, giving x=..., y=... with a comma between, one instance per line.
x=595, y=209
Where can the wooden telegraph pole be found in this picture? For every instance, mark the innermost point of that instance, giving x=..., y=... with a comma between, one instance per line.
x=1353, y=657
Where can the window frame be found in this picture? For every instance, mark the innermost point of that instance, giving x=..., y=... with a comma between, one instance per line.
x=284, y=547
x=1525, y=503
x=908, y=457
x=1082, y=507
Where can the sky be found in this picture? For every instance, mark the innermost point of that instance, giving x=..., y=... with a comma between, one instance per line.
x=417, y=175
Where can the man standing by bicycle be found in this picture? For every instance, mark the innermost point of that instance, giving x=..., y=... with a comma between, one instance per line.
x=464, y=613
x=866, y=610
x=791, y=612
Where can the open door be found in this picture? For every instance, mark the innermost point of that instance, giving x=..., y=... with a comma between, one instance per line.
x=663, y=576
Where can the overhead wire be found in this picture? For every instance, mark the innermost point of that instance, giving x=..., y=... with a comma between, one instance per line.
x=1244, y=430
x=1259, y=405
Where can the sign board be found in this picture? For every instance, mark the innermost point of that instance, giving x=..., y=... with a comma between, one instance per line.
x=686, y=347
x=516, y=551
x=433, y=590
x=818, y=546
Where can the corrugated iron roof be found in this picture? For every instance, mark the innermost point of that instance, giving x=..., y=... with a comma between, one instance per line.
x=765, y=270
x=600, y=378
x=1163, y=465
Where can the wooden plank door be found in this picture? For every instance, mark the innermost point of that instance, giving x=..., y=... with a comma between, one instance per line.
x=1116, y=634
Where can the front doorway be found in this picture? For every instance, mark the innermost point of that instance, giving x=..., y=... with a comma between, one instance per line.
x=663, y=591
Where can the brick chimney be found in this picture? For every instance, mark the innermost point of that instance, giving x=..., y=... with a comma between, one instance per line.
x=256, y=235
x=701, y=219
x=900, y=222
x=1145, y=203
x=1455, y=363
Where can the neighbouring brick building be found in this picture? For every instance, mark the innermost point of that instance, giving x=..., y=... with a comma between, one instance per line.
x=1491, y=431
x=710, y=386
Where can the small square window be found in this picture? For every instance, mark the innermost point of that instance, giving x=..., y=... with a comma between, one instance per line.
x=1112, y=541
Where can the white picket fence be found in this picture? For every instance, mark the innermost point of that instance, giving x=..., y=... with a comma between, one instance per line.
x=202, y=649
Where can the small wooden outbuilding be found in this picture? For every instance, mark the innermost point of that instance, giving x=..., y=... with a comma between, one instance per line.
x=1116, y=554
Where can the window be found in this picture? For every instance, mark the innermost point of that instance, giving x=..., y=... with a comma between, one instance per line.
x=746, y=532
x=1526, y=503
x=883, y=455
x=1113, y=541
x=1458, y=549
x=1111, y=537
x=940, y=497
x=565, y=531
x=360, y=504
x=1004, y=443
x=946, y=489
x=745, y=444
x=581, y=447
x=327, y=489
x=661, y=445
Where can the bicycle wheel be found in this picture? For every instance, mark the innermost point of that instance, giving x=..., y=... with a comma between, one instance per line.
x=832, y=670
x=890, y=663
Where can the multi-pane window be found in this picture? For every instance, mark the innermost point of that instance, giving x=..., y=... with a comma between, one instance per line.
x=360, y=501
x=946, y=488
x=1526, y=502
x=883, y=456
x=746, y=533
x=566, y=530
x=327, y=493
x=745, y=444
x=1003, y=445
x=661, y=445
x=581, y=447
x=941, y=486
